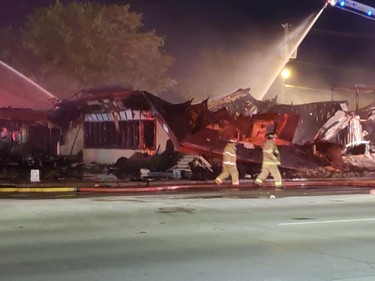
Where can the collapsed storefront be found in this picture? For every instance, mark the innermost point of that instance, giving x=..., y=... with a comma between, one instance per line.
x=128, y=130
x=111, y=124
x=27, y=137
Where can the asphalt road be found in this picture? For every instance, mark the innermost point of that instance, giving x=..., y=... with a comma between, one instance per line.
x=189, y=236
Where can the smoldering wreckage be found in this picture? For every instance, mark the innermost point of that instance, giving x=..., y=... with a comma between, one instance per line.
x=135, y=135
x=98, y=121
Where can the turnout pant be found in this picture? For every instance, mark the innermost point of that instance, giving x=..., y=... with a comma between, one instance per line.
x=228, y=170
x=266, y=171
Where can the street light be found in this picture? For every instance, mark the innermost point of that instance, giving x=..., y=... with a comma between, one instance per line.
x=285, y=74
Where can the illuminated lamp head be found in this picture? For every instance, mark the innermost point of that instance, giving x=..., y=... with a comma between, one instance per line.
x=286, y=73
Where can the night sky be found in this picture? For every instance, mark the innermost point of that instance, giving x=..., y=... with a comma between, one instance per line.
x=340, y=43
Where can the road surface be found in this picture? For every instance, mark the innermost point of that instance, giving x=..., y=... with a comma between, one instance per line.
x=186, y=237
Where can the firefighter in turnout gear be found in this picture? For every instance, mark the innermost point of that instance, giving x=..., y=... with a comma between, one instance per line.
x=229, y=163
x=271, y=161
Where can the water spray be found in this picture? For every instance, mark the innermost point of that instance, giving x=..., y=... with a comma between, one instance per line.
x=284, y=60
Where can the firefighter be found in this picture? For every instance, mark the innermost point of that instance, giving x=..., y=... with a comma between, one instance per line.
x=229, y=163
x=271, y=161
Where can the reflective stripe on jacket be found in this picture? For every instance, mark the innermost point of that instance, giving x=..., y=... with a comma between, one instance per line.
x=271, y=154
x=229, y=154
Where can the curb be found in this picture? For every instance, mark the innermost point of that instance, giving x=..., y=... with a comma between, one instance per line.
x=37, y=189
x=178, y=186
x=152, y=188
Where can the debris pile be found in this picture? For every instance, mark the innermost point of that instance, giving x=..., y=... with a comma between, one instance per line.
x=126, y=131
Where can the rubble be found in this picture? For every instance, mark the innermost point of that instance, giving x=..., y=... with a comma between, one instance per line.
x=121, y=131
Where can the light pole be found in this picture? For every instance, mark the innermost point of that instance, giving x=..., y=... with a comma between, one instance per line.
x=285, y=74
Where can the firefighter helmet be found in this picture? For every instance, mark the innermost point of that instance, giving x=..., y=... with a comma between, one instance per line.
x=271, y=136
x=233, y=139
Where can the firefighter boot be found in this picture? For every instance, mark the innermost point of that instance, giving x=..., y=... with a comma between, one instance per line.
x=218, y=181
x=279, y=186
x=258, y=183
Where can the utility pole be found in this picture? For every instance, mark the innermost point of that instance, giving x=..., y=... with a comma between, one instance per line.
x=288, y=36
x=285, y=73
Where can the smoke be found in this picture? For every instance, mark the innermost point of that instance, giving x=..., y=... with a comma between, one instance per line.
x=214, y=59
x=254, y=62
x=221, y=68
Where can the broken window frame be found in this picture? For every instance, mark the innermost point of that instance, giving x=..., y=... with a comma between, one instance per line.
x=132, y=133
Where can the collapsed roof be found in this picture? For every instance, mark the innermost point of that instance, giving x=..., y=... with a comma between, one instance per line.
x=200, y=128
x=196, y=128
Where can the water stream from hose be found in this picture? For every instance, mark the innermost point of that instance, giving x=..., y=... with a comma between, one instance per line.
x=295, y=38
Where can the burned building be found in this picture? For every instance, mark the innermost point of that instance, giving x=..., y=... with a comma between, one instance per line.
x=28, y=132
x=109, y=124
x=27, y=135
